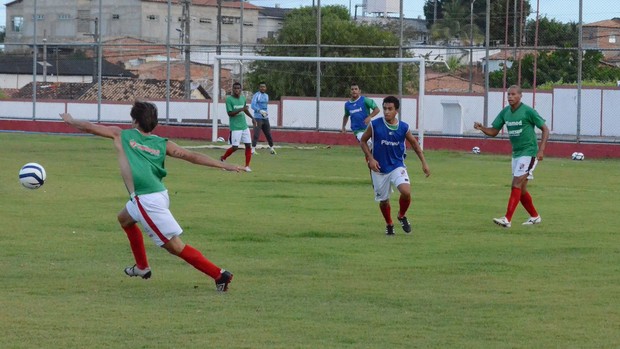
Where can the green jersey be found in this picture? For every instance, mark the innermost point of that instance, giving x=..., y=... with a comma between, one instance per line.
x=521, y=125
x=237, y=122
x=146, y=155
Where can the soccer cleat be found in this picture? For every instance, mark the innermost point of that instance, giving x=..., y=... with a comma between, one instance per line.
x=222, y=158
x=504, y=222
x=272, y=151
x=389, y=230
x=404, y=222
x=135, y=271
x=533, y=220
x=221, y=284
x=247, y=169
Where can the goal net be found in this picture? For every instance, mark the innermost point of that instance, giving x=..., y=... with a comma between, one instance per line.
x=310, y=92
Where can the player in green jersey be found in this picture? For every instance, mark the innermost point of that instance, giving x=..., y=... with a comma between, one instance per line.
x=141, y=157
x=521, y=121
x=236, y=107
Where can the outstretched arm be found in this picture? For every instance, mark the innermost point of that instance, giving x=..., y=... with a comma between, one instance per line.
x=489, y=131
x=174, y=150
x=89, y=127
x=418, y=150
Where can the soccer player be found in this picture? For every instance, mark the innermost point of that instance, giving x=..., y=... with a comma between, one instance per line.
x=141, y=157
x=386, y=161
x=360, y=109
x=236, y=107
x=520, y=121
x=259, y=104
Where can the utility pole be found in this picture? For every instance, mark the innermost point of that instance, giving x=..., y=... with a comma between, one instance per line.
x=186, y=48
x=241, y=44
x=471, y=43
x=435, y=12
x=219, y=27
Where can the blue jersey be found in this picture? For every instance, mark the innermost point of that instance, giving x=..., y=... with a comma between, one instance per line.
x=359, y=110
x=388, y=145
x=259, y=102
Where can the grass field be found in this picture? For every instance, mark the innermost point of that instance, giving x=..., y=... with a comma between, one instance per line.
x=313, y=269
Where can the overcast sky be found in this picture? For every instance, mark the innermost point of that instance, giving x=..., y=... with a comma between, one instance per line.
x=561, y=10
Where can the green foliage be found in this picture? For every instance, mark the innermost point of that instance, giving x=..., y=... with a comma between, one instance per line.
x=560, y=65
x=552, y=33
x=459, y=10
x=312, y=266
x=454, y=63
x=299, y=78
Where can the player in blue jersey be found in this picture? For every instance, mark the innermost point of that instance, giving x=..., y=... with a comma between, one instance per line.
x=260, y=102
x=360, y=109
x=386, y=161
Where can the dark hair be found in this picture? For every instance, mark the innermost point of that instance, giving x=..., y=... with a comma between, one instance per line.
x=392, y=99
x=145, y=114
x=236, y=84
x=262, y=83
x=354, y=84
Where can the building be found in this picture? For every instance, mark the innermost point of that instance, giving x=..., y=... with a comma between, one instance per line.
x=79, y=21
x=604, y=36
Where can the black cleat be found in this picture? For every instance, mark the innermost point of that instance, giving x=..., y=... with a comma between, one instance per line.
x=221, y=284
x=404, y=222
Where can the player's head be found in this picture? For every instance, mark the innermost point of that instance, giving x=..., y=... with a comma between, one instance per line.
x=145, y=115
x=514, y=95
x=391, y=105
x=262, y=86
x=355, y=90
x=236, y=89
x=393, y=100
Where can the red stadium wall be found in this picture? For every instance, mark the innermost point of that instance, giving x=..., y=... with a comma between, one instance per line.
x=487, y=145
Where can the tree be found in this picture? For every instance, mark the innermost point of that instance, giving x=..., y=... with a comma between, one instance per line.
x=556, y=67
x=297, y=37
x=455, y=24
x=2, y=33
x=555, y=33
x=499, y=20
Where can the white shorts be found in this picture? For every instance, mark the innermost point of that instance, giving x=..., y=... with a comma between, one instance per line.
x=382, y=182
x=359, y=134
x=524, y=165
x=240, y=136
x=151, y=210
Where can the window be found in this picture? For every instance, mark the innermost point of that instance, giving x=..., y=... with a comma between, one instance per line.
x=230, y=20
x=17, y=23
x=612, y=39
x=248, y=24
x=39, y=17
x=152, y=17
x=116, y=16
x=64, y=16
x=204, y=20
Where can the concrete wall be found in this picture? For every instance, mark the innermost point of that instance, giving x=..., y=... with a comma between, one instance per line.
x=442, y=114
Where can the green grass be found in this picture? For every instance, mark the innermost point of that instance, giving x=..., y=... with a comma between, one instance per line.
x=313, y=269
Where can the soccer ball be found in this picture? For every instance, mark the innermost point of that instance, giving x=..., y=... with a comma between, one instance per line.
x=476, y=150
x=578, y=156
x=32, y=175
x=221, y=139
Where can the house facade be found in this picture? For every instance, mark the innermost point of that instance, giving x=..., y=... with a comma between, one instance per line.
x=604, y=36
x=75, y=21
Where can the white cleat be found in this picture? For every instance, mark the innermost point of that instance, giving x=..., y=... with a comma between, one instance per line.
x=502, y=222
x=247, y=169
x=533, y=220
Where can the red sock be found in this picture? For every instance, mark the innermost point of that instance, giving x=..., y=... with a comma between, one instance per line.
x=386, y=211
x=200, y=262
x=515, y=196
x=228, y=152
x=248, y=156
x=526, y=201
x=404, y=203
x=136, y=241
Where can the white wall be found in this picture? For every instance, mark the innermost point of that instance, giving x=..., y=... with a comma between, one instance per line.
x=558, y=107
